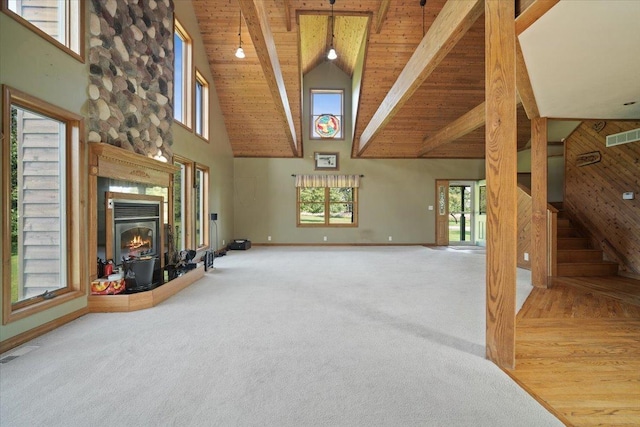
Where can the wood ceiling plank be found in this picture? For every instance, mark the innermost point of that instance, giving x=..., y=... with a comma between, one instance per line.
x=257, y=21
x=466, y=123
x=381, y=15
x=449, y=27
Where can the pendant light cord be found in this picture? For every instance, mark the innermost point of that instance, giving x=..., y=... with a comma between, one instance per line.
x=332, y=23
x=240, y=28
x=422, y=3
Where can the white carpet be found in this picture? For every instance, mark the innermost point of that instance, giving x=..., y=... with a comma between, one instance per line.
x=321, y=336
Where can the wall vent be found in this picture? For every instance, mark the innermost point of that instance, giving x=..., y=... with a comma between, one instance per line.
x=623, y=137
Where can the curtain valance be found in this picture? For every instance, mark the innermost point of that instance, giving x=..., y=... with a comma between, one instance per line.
x=332, y=181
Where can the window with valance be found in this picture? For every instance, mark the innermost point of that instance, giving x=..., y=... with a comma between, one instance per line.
x=327, y=200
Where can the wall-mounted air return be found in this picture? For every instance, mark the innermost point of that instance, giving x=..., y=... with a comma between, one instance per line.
x=623, y=137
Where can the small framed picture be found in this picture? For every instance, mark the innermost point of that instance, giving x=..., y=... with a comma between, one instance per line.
x=326, y=161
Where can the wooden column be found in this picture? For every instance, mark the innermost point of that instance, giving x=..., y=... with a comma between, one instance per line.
x=501, y=169
x=539, y=240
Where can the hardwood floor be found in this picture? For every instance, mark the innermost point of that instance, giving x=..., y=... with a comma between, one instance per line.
x=578, y=350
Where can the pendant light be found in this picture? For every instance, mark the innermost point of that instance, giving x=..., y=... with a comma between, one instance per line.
x=240, y=51
x=332, y=52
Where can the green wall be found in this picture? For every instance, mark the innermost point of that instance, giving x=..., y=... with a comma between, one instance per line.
x=393, y=198
x=217, y=152
x=34, y=66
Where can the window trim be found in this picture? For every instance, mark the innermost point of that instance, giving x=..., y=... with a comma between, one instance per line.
x=327, y=209
x=73, y=24
x=187, y=76
x=187, y=179
x=200, y=79
x=205, y=205
x=342, y=131
x=76, y=219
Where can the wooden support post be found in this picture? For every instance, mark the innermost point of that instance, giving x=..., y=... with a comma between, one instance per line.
x=501, y=169
x=539, y=243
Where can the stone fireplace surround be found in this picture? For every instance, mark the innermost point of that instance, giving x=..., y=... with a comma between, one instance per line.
x=109, y=161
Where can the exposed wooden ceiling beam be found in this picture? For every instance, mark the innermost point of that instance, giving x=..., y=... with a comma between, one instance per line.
x=451, y=24
x=532, y=13
x=381, y=15
x=472, y=120
x=255, y=16
x=464, y=124
x=523, y=83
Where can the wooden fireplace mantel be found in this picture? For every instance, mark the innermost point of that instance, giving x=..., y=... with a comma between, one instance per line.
x=109, y=161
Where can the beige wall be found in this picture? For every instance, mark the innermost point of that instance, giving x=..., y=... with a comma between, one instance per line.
x=393, y=198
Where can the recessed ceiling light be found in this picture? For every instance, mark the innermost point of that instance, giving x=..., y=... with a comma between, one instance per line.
x=629, y=103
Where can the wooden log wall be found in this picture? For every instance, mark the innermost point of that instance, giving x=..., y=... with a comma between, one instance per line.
x=593, y=193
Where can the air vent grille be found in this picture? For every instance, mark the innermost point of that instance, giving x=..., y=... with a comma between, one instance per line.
x=623, y=137
x=136, y=210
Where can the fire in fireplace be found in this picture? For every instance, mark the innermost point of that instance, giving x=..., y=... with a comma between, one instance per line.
x=136, y=229
x=136, y=239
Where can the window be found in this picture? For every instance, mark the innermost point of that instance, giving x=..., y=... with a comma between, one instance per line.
x=181, y=203
x=41, y=180
x=328, y=206
x=182, y=75
x=58, y=21
x=202, y=106
x=483, y=200
x=326, y=114
x=201, y=204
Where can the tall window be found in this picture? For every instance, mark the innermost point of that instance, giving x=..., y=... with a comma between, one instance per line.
x=202, y=106
x=329, y=206
x=182, y=186
x=326, y=114
x=55, y=20
x=182, y=75
x=41, y=158
x=201, y=204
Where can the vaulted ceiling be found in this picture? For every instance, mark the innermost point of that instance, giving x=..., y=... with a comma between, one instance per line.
x=421, y=74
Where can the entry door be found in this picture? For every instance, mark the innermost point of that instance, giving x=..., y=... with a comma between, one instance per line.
x=442, y=212
x=461, y=215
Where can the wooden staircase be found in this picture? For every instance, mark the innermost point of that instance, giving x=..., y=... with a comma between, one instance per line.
x=575, y=255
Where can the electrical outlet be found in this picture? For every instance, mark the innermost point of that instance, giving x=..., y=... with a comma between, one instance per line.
x=269, y=238
x=430, y=207
x=390, y=238
x=223, y=242
x=526, y=256
x=325, y=238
